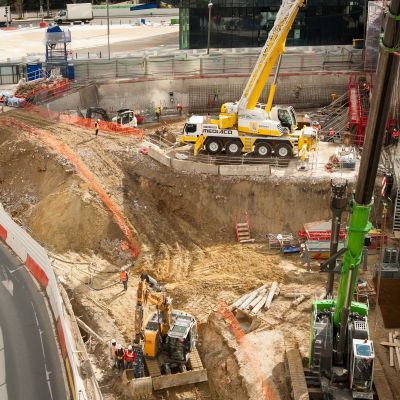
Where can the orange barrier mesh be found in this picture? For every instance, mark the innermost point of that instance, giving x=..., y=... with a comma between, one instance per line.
x=87, y=123
x=133, y=246
x=246, y=346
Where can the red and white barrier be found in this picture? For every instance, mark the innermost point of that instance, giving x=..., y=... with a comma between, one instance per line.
x=38, y=263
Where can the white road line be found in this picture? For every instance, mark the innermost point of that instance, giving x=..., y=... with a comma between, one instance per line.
x=48, y=373
x=3, y=385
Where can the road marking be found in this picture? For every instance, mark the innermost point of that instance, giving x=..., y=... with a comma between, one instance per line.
x=48, y=373
x=8, y=284
x=3, y=384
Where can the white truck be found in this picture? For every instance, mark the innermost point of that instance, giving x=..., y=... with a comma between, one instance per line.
x=82, y=12
x=5, y=16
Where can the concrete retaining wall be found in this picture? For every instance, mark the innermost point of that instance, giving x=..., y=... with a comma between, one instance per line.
x=239, y=170
x=202, y=168
x=160, y=157
x=198, y=168
x=194, y=93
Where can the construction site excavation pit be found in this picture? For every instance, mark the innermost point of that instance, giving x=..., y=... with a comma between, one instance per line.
x=184, y=225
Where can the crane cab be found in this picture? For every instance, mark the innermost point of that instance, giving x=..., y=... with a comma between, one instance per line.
x=361, y=369
x=285, y=115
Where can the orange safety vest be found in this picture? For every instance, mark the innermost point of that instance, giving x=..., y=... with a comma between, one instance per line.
x=395, y=133
x=129, y=356
x=124, y=276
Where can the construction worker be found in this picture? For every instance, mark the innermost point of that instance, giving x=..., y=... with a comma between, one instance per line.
x=134, y=121
x=137, y=349
x=113, y=349
x=129, y=357
x=96, y=127
x=305, y=253
x=179, y=108
x=119, y=354
x=395, y=136
x=331, y=135
x=303, y=154
x=158, y=113
x=124, y=278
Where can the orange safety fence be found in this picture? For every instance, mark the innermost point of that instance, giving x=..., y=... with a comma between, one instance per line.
x=88, y=123
x=248, y=348
x=132, y=244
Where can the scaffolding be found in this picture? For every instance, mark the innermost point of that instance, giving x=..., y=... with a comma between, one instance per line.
x=58, y=51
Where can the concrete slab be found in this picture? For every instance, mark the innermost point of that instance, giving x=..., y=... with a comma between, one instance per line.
x=189, y=166
x=240, y=170
x=159, y=156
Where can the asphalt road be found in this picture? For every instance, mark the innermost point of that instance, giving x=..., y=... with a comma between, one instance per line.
x=30, y=365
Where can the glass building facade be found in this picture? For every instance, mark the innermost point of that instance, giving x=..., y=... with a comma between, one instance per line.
x=245, y=23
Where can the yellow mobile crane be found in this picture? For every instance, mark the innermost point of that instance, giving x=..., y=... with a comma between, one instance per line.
x=168, y=337
x=248, y=125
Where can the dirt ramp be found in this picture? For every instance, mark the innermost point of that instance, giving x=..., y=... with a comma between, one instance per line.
x=244, y=371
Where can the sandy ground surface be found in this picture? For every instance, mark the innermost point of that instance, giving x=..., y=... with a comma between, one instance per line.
x=21, y=43
x=185, y=227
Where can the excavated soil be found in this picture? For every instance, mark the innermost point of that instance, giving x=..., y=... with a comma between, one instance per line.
x=185, y=225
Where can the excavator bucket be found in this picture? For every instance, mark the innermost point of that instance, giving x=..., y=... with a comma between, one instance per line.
x=136, y=388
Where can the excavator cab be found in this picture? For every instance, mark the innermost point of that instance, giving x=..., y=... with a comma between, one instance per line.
x=182, y=337
x=362, y=367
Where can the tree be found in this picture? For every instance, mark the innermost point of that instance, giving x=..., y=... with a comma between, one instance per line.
x=19, y=7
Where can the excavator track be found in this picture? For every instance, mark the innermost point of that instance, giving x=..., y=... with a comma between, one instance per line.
x=153, y=367
x=296, y=372
x=195, y=361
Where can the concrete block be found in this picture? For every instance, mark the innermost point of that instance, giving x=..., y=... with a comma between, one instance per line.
x=243, y=170
x=159, y=156
x=189, y=166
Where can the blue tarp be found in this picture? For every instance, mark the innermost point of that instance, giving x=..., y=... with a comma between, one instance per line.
x=55, y=28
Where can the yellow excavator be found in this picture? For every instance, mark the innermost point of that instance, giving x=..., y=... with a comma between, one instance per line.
x=168, y=338
x=248, y=126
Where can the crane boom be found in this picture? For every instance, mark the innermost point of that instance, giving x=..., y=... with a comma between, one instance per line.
x=272, y=50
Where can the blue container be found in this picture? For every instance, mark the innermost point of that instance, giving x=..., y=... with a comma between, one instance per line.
x=34, y=71
x=71, y=72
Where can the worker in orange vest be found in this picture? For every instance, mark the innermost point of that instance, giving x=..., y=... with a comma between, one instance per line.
x=129, y=357
x=179, y=108
x=124, y=278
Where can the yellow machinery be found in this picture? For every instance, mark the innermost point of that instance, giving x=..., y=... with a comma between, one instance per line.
x=169, y=338
x=247, y=125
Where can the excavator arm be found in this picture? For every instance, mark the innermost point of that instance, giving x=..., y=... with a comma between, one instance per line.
x=271, y=52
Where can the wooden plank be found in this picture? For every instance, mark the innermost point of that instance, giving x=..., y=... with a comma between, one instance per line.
x=244, y=297
x=179, y=379
x=296, y=373
x=251, y=298
x=391, y=350
x=397, y=351
x=297, y=301
x=257, y=299
x=271, y=293
x=381, y=384
x=89, y=330
x=392, y=344
x=260, y=305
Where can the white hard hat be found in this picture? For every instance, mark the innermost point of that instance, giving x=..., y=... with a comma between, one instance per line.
x=122, y=268
x=119, y=347
x=129, y=347
x=113, y=341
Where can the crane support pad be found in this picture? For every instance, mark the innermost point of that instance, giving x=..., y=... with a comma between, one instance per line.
x=297, y=377
x=179, y=379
